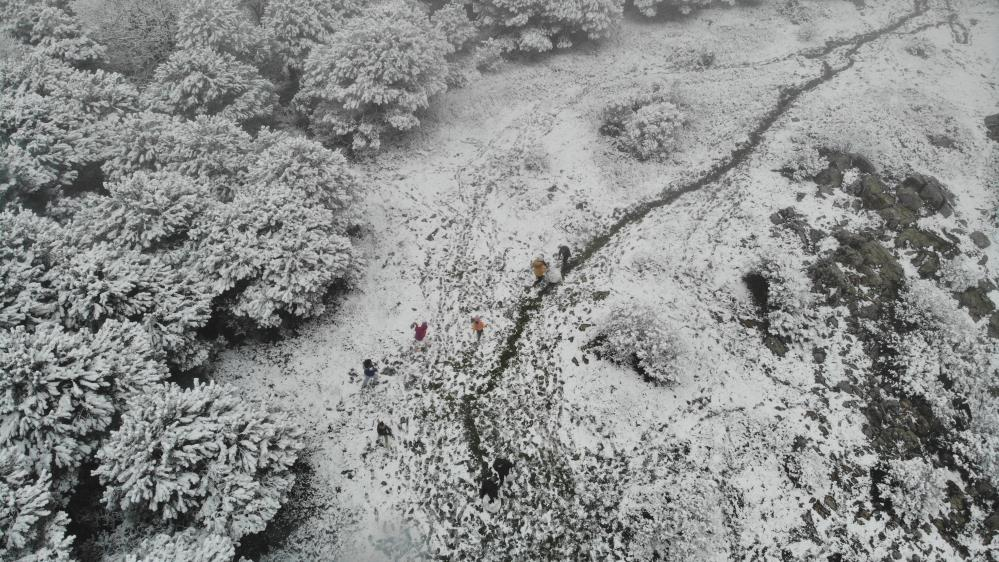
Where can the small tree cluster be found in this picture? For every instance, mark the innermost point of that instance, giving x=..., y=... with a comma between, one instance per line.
x=543, y=25
x=646, y=125
x=633, y=335
x=374, y=75
x=202, y=455
x=917, y=491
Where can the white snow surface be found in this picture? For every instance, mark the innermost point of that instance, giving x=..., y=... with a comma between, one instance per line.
x=512, y=166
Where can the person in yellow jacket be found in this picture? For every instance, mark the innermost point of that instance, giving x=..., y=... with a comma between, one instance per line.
x=540, y=268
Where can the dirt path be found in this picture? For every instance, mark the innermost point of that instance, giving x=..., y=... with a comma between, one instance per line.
x=528, y=306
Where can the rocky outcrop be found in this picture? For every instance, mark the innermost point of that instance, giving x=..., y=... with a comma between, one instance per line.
x=992, y=127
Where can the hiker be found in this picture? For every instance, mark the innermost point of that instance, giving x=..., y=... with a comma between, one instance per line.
x=478, y=326
x=563, y=254
x=502, y=468
x=553, y=275
x=419, y=333
x=539, y=267
x=384, y=431
x=369, y=373
x=489, y=488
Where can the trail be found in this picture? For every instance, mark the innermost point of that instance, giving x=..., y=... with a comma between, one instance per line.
x=527, y=306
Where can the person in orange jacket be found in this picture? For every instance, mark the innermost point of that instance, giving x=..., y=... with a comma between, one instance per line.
x=478, y=326
x=540, y=268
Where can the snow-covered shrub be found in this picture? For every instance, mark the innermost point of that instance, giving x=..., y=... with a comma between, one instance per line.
x=541, y=25
x=803, y=163
x=280, y=254
x=203, y=455
x=634, y=335
x=51, y=30
x=147, y=211
x=200, y=81
x=28, y=245
x=282, y=161
x=33, y=529
x=59, y=388
x=488, y=55
x=374, y=75
x=961, y=273
x=789, y=305
x=297, y=26
x=646, y=124
x=917, y=491
x=137, y=35
x=189, y=545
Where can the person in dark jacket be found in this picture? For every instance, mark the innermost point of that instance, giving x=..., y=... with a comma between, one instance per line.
x=502, y=467
x=490, y=488
x=369, y=373
x=563, y=258
x=419, y=334
x=384, y=432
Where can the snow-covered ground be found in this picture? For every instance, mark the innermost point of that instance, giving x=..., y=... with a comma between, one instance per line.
x=512, y=166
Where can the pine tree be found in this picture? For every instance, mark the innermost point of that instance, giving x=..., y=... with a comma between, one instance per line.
x=297, y=26
x=374, y=75
x=203, y=455
x=28, y=250
x=60, y=387
x=219, y=25
x=189, y=545
x=199, y=81
x=50, y=30
x=33, y=529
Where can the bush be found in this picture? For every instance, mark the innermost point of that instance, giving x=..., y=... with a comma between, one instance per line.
x=202, y=455
x=916, y=490
x=200, y=81
x=33, y=528
x=632, y=335
x=542, y=25
x=651, y=8
x=646, y=125
x=374, y=75
x=189, y=545
x=452, y=22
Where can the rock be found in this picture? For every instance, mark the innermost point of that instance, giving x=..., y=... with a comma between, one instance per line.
x=942, y=141
x=909, y=198
x=915, y=238
x=976, y=300
x=980, y=239
x=873, y=192
x=935, y=196
x=994, y=325
x=927, y=262
x=829, y=180
x=992, y=126
x=898, y=216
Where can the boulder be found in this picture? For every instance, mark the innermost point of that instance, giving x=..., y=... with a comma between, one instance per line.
x=927, y=263
x=912, y=237
x=897, y=216
x=935, y=196
x=992, y=127
x=873, y=192
x=909, y=198
x=976, y=300
x=980, y=239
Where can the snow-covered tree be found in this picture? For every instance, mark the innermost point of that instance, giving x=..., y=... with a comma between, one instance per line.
x=297, y=26
x=790, y=302
x=633, y=335
x=200, y=81
x=203, y=454
x=51, y=116
x=917, y=491
x=189, y=545
x=211, y=149
x=138, y=36
x=32, y=529
x=273, y=254
x=147, y=211
x=374, y=75
x=51, y=30
x=107, y=283
x=59, y=388
x=28, y=244
x=453, y=23
x=219, y=25
x=295, y=163
x=541, y=25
